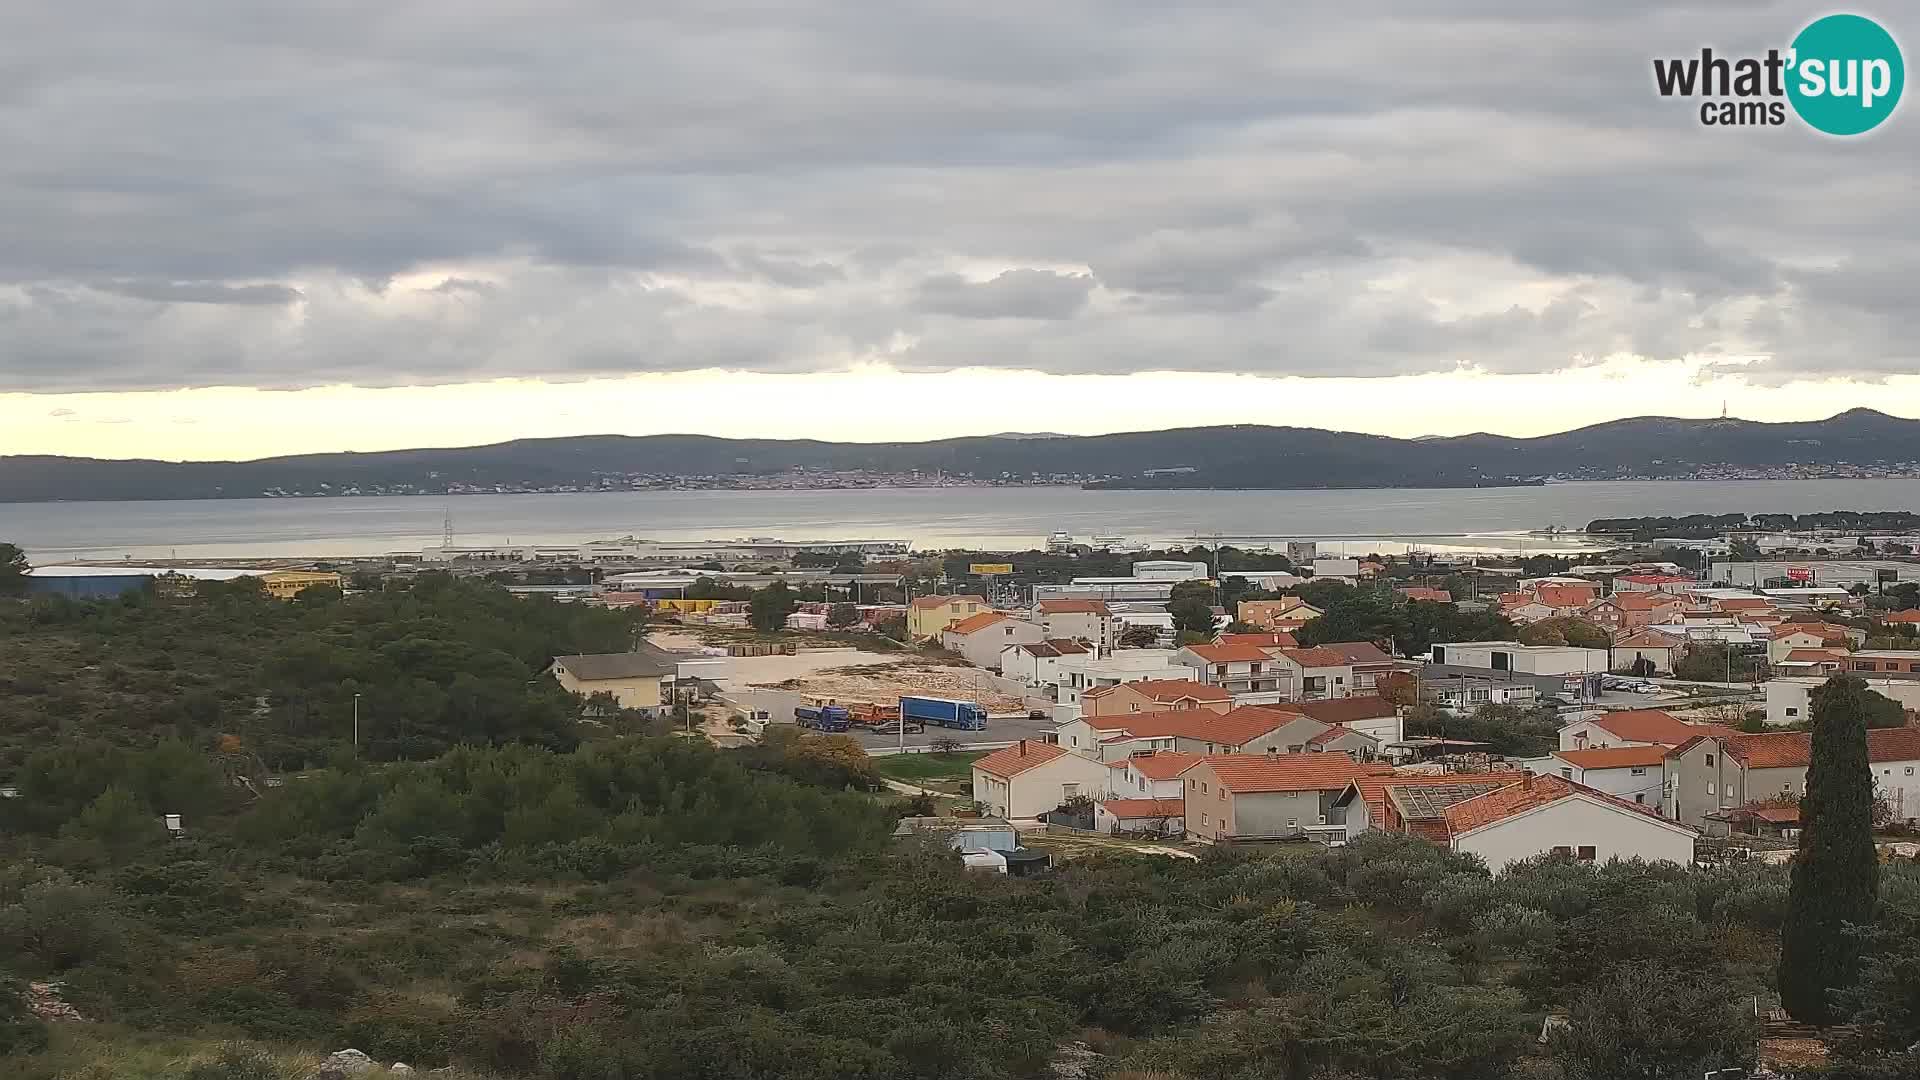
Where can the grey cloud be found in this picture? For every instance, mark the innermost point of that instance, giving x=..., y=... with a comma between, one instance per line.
x=201, y=292
x=1375, y=188
x=1014, y=294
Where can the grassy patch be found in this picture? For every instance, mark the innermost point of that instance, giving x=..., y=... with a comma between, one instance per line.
x=920, y=768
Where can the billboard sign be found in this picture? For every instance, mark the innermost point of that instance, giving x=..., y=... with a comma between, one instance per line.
x=987, y=569
x=1885, y=575
x=1799, y=573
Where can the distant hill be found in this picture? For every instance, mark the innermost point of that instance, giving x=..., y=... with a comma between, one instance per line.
x=1238, y=456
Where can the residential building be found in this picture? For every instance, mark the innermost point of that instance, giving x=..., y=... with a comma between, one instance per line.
x=981, y=638
x=1030, y=778
x=1790, y=698
x=1811, y=663
x=1038, y=663
x=1077, y=674
x=1245, y=730
x=1530, y=611
x=1637, y=774
x=1531, y=659
x=1365, y=659
x=287, y=584
x=1140, y=817
x=1567, y=597
x=1409, y=802
x=965, y=834
x=1419, y=592
x=1867, y=661
x=1369, y=714
x=927, y=616
x=1910, y=617
x=1090, y=621
x=1629, y=611
x=1773, y=766
x=1551, y=814
x=1311, y=674
x=1703, y=777
x=1356, y=744
x=1788, y=637
x=1633, y=727
x=1153, y=774
x=1269, y=640
x=641, y=680
x=1154, y=695
x=1655, y=646
x=1265, y=613
x=1258, y=797
x=1237, y=669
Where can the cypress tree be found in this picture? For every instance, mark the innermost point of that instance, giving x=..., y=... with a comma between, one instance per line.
x=1836, y=872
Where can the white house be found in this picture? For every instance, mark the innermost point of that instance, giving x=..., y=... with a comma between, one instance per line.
x=1030, y=778
x=1037, y=663
x=981, y=638
x=1237, y=669
x=1151, y=775
x=1634, y=727
x=1144, y=817
x=1655, y=647
x=1790, y=700
x=1637, y=774
x=1543, y=814
x=1313, y=674
x=1074, y=675
x=1090, y=621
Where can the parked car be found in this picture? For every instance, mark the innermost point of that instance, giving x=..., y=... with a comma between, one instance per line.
x=892, y=727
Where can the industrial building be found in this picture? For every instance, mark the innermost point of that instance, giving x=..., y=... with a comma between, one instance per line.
x=1833, y=573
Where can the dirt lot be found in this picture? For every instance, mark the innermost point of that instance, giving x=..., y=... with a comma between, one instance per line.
x=891, y=678
x=849, y=674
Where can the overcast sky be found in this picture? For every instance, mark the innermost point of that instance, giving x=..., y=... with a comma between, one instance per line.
x=230, y=228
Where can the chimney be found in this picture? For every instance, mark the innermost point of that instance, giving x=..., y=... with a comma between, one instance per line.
x=1023, y=748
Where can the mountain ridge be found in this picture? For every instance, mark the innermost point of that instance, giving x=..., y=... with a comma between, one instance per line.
x=1244, y=456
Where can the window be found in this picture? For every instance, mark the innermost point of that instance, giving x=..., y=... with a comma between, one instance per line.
x=1203, y=789
x=1191, y=784
x=1068, y=791
x=1568, y=773
x=1637, y=772
x=1791, y=711
x=1587, y=853
x=1641, y=798
x=1203, y=818
x=1709, y=761
x=1562, y=849
x=1221, y=795
x=1709, y=787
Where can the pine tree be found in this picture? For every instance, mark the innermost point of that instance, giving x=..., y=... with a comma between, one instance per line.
x=1836, y=872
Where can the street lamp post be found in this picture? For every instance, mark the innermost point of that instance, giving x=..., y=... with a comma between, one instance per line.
x=356, y=724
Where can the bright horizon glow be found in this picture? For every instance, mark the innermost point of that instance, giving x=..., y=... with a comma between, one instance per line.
x=879, y=404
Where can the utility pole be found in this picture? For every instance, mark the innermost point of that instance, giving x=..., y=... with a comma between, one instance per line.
x=356, y=725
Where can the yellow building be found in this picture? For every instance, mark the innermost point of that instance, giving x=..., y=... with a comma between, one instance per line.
x=685, y=606
x=640, y=680
x=927, y=616
x=287, y=584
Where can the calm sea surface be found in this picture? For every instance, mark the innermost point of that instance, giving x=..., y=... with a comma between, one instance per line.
x=1491, y=519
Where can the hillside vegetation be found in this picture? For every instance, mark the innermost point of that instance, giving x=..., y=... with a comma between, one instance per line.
x=645, y=907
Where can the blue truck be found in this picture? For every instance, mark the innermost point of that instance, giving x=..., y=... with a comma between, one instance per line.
x=823, y=717
x=943, y=712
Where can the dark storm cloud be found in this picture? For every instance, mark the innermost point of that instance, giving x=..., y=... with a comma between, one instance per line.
x=229, y=193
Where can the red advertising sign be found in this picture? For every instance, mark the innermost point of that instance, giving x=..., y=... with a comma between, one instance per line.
x=1799, y=573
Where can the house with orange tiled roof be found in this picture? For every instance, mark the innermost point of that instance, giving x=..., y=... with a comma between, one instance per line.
x=1140, y=817
x=1637, y=774
x=981, y=638
x=1910, y=617
x=1787, y=637
x=1566, y=597
x=1541, y=815
x=1267, y=614
x=1391, y=801
x=1268, y=640
x=1154, y=695
x=1811, y=662
x=1633, y=727
x=1655, y=646
x=1149, y=775
x=927, y=616
x=1244, y=797
x=1321, y=672
x=1237, y=669
x=1030, y=778
x=1420, y=592
x=1713, y=774
x=1244, y=730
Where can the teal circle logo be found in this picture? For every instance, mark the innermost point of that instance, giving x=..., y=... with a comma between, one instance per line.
x=1846, y=74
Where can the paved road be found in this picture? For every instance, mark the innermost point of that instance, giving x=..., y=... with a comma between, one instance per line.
x=998, y=733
